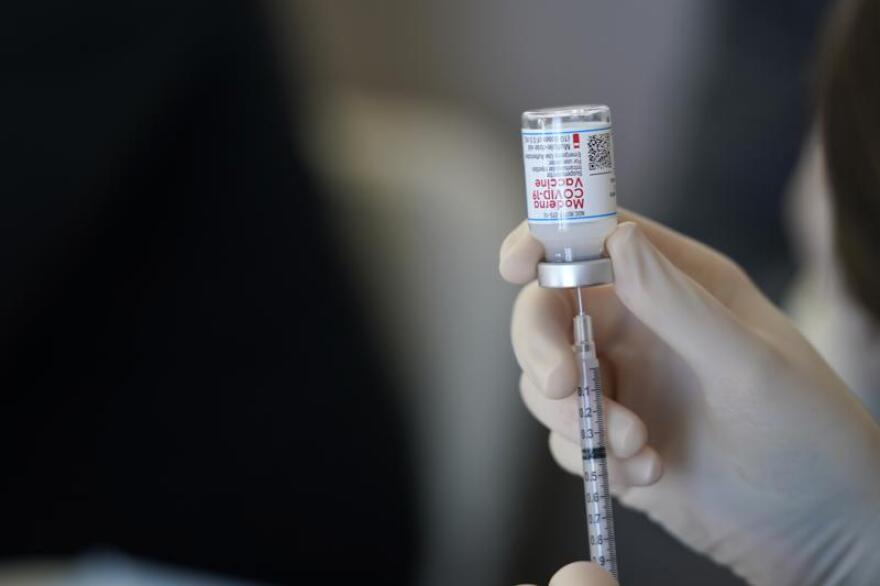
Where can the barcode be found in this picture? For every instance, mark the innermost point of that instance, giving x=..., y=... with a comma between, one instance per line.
x=599, y=152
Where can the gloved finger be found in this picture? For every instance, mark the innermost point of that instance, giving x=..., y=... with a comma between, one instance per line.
x=643, y=469
x=626, y=433
x=567, y=454
x=582, y=574
x=717, y=273
x=541, y=334
x=674, y=306
x=520, y=255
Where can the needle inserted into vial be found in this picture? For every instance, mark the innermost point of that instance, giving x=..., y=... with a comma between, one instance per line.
x=572, y=206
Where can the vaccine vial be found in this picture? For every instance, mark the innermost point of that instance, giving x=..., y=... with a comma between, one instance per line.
x=571, y=198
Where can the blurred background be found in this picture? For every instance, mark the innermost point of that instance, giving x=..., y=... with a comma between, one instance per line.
x=267, y=234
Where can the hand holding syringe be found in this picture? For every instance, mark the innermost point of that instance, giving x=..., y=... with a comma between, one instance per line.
x=766, y=455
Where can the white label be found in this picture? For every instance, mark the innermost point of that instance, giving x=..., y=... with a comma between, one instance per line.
x=569, y=175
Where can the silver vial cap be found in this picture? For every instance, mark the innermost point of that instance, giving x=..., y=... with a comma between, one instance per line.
x=567, y=275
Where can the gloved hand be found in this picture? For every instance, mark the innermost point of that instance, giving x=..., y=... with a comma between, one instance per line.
x=770, y=465
x=582, y=574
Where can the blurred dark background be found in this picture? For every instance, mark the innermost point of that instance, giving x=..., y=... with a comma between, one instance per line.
x=251, y=323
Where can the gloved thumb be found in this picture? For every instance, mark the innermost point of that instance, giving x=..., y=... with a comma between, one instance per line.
x=582, y=574
x=671, y=304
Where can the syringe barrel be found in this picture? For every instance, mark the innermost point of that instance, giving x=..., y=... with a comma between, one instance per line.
x=597, y=491
x=571, y=198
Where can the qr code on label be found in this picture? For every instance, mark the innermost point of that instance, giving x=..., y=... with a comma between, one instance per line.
x=599, y=151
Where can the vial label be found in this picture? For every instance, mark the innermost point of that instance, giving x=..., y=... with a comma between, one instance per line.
x=569, y=175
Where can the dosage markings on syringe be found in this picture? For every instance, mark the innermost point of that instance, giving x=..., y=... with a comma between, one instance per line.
x=594, y=453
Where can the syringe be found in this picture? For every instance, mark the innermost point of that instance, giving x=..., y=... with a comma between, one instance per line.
x=597, y=492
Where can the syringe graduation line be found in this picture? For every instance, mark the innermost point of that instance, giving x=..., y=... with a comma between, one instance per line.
x=597, y=494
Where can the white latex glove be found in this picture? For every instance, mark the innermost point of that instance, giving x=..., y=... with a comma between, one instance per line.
x=582, y=574
x=770, y=465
